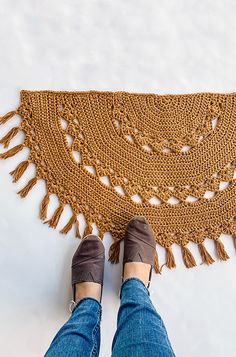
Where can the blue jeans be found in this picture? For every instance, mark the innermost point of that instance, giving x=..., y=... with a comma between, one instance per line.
x=140, y=329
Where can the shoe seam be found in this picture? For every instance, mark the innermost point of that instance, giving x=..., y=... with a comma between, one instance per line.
x=85, y=260
x=142, y=240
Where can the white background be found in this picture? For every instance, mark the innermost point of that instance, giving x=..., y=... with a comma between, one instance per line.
x=140, y=46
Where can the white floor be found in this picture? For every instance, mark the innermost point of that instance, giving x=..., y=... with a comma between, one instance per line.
x=141, y=46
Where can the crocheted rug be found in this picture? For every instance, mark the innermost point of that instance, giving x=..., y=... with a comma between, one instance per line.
x=113, y=155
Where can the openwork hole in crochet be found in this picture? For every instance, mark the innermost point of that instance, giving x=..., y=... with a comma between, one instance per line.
x=113, y=155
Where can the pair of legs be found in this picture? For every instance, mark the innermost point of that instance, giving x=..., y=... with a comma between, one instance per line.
x=140, y=329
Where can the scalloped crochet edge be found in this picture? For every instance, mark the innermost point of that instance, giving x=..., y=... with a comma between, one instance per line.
x=114, y=250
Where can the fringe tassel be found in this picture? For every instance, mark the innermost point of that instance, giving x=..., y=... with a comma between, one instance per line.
x=69, y=225
x=24, y=191
x=55, y=218
x=7, y=116
x=206, y=257
x=9, y=136
x=156, y=264
x=44, y=206
x=170, y=259
x=221, y=250
x=20, y=169
x=88, y=229
x=188, y=258
x=12, y=151
x=114, y=252
x=77, y=232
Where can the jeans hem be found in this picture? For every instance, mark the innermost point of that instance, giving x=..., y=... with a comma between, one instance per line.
x=138, y=280
x=87, y=298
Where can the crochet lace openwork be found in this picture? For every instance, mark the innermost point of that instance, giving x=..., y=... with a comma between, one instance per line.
x=113, y=155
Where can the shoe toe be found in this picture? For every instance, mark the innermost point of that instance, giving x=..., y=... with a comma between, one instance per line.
x=90, y=246
x=140, y=228
x=139, y=241
x=88, y=260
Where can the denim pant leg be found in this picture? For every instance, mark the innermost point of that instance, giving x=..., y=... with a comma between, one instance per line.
x=140, y=329
x=80, y=335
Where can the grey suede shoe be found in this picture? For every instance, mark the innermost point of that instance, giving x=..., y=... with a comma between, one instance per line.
x=139, y=243
x=88, y=263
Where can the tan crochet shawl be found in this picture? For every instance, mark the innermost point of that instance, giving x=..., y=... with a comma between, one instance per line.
x=113, y=155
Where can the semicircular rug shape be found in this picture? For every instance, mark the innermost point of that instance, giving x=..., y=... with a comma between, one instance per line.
x=114, y=155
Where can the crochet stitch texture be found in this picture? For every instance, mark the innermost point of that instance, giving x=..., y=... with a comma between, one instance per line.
x=113, y=155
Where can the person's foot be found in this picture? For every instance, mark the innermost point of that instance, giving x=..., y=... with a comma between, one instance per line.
x=88, y=289
x=137, y=270
x=88, y=268
x=139, y=250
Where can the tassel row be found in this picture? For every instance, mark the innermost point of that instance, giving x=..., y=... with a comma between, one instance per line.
x=9, y=136
x=7, y=116
x=19, y=170
x=12, y=151
x=56, y=216
x=188, y=258
x=24, y=191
